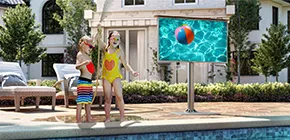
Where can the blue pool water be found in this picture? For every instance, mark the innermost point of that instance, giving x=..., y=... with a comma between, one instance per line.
x=209, y=44
x=269, y=133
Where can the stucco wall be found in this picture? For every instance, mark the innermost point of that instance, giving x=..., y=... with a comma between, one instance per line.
x=118, y=5
x=1, y=14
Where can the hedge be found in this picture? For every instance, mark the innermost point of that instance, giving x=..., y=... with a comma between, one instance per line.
x=161, y=92
x=267, y=92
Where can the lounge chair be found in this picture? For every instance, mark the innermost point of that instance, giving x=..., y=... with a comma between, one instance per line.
x=16, y=92
x=67, y=76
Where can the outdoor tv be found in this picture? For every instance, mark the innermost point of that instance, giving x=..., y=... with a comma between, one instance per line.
x=192, y=40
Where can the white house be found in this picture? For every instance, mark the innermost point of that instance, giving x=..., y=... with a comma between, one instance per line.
x=55, y=40
x=135, y=21
x=272, y=12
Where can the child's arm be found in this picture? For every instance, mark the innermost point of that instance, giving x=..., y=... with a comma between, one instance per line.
x=80, y=63
x=126, y=64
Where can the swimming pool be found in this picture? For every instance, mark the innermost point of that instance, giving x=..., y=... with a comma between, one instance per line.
x=266, y=133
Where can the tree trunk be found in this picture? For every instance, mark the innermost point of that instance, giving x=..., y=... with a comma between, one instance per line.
x=239, y=67
x=277, y=76
x=20, y=60
x=239, y=61
x=266, y=79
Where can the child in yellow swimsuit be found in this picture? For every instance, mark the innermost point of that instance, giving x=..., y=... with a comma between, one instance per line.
x=111, y=69
x=111, y=73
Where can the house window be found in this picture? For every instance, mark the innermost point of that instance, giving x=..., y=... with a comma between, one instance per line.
x=275, y=15
x=288, y=20
x=134, y=2
x=49, y=24
x=184, y=1
x=27, y=2
x=246, y=63
x=289, y=74
x=47, y=64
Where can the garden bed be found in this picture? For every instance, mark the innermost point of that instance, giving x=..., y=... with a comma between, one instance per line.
x=161, y=92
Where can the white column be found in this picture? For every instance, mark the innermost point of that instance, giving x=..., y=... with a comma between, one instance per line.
x=146, y=54
x=127, y=52
x=141, y=53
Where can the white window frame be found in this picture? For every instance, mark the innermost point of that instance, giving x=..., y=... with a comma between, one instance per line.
x=123, y=4
x=184, y=3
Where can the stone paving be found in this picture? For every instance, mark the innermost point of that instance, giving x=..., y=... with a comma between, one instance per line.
x=159, y=111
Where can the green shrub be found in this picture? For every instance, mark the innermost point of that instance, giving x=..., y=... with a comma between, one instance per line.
x=145, y=88
x=267, y=92
x=48, y=83
x=31, y=83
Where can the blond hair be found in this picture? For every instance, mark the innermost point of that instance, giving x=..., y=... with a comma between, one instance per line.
x=82, y=40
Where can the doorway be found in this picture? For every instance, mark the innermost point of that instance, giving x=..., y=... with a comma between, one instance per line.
x=133, y=44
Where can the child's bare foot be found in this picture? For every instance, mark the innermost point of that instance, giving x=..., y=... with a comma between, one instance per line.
x=78, y=121
x=89, y=120
x=107, y=120
x=122, y=119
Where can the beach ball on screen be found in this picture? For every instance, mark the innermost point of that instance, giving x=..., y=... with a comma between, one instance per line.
x=184, y=34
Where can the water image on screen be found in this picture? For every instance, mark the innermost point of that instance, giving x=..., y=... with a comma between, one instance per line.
x=192, y=40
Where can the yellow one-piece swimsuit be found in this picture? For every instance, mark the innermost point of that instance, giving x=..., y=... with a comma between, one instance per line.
x=110, y=65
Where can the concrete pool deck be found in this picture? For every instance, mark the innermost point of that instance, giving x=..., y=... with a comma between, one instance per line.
x=31, y=123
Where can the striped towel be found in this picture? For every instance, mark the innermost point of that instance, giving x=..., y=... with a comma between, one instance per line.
x=85, y=91
x=11, y=2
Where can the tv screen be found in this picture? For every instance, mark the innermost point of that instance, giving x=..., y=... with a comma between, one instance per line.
x=192, y=40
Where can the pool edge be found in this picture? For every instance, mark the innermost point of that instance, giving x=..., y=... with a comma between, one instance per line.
x=38, y=130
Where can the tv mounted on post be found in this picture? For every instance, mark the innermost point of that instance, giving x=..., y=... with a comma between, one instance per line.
x=182, y=39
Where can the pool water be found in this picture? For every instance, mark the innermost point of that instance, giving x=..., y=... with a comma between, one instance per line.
x=267, y=133
x=209, y=44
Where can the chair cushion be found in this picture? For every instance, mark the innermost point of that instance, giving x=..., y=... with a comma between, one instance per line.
x=11, y=90
x=3, y=74
x=34, y=89
x=11, y=79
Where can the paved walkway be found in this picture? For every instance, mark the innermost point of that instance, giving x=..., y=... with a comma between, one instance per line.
x=160, y=111
x=31, y=123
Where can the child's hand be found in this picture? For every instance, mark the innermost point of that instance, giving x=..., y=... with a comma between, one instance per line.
x=99, y=25
x=135, y=73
